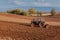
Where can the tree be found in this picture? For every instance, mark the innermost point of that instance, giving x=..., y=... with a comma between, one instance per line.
x=18, y=11
x=11, y=11
x=32, y=10
x=53, y=12
x=25, y=13
x=40, y=13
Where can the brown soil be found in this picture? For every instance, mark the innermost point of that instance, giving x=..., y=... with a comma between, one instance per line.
x=55, y=18
x=21, y=32
x=17, y=31
x=16, y=16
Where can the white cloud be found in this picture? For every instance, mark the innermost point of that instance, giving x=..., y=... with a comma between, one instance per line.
x=18, y=3
x=43, y=0
x=38, y=4
x=34, y=3
x=46, y=4
x=41, y=4
x=40, y=0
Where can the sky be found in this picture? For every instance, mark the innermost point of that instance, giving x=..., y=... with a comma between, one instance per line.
x=12, y=4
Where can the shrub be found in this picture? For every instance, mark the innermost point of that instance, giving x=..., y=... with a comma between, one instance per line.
x=53, y=12
x=11, y=11
x=18, y=11
x=31, y=10
x=24, y=13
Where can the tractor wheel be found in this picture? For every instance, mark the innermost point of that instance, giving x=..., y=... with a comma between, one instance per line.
x=32, y=25
x=46, y=26
x=40, y=25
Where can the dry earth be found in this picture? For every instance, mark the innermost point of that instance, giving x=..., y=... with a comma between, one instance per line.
x=11, y=29
x=16, y=31
x=55, y=20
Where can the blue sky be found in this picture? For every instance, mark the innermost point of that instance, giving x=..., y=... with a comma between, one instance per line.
x=12, y=4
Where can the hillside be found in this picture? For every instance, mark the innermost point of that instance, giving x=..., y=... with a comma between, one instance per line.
x=55, y=18
x=12, y=29
x=15, y=31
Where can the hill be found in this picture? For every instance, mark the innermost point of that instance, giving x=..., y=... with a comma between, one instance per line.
x=12, y=29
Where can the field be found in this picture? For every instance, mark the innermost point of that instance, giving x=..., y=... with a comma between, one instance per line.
x=55, y=18
x=11, y=29
x=17, y=31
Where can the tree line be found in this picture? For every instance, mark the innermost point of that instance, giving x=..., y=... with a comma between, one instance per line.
x=29, y=12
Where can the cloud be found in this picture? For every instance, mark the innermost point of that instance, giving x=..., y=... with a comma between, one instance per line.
x=46, y=4
x=18, y=3
x=40, y=0
x=36, y=3
x=32, y=3
x=41, y=4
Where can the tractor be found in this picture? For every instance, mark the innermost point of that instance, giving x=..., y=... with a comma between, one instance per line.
x=38, y=22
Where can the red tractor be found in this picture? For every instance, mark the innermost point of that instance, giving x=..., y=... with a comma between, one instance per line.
x=39, y=23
